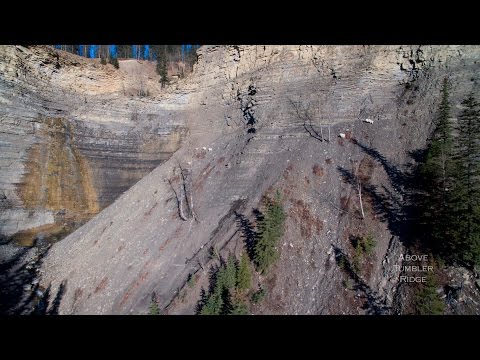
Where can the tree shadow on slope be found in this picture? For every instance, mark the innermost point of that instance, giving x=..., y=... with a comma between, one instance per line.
x=42, y=305
x=45, y=306
x=12, y=283
x=395, y=207
x=15, y=275
x=374, y=305
x=397, y=203
x=58, y=299
x=249, y=232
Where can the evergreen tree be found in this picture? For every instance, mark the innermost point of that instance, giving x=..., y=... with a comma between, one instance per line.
x=220, y=279
x=258, y=295
x=154, y=309
x=427, y=300
x=244, y=275
x=437, y=174
x=213, y=305
x=230, y=273
x=270, y=230
x=467, y=190
x=163, y=74
x=239, y=308
x=162, y=66
x=114, y=62
x=219, y=301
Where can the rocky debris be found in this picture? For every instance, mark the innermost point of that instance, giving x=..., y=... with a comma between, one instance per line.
x=388, y=278
x=461, y=291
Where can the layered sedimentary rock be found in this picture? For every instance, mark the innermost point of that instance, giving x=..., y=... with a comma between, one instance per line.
x=74, y=135
x=262, y=119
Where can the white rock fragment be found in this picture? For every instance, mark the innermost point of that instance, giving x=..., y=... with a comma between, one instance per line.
x=330, y=250
x=367, y=120
x=342, y=135
x=210, y=149
x=204, y=148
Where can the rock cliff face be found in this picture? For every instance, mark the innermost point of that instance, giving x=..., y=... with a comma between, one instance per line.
x=74, y=135
x=258, y=119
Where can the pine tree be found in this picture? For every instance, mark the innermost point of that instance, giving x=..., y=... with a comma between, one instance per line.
x=437, y=174
x=219, y=301
x=163, y=74
x=230, y=273
x=162, y=66
x=213, y=305
x=154, y=309
x=220, y=279
x=467, y=190
x=244, y=275
x=428, y=301
x=114, y=62
x=239, y=308
x=270, y=230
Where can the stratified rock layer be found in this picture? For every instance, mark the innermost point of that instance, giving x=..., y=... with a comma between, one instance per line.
x=74, y=135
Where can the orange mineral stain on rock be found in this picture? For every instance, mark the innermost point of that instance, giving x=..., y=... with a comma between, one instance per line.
x=52, y=232
x=57, y=176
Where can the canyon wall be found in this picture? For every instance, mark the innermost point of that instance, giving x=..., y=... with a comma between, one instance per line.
x=255, y=120
x=74, y=135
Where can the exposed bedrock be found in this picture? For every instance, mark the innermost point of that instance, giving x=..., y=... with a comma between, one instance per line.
x=259, y=119
x=73, y=137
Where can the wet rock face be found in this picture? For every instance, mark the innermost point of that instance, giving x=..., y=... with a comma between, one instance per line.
x=73, y=138
x=58, y=177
